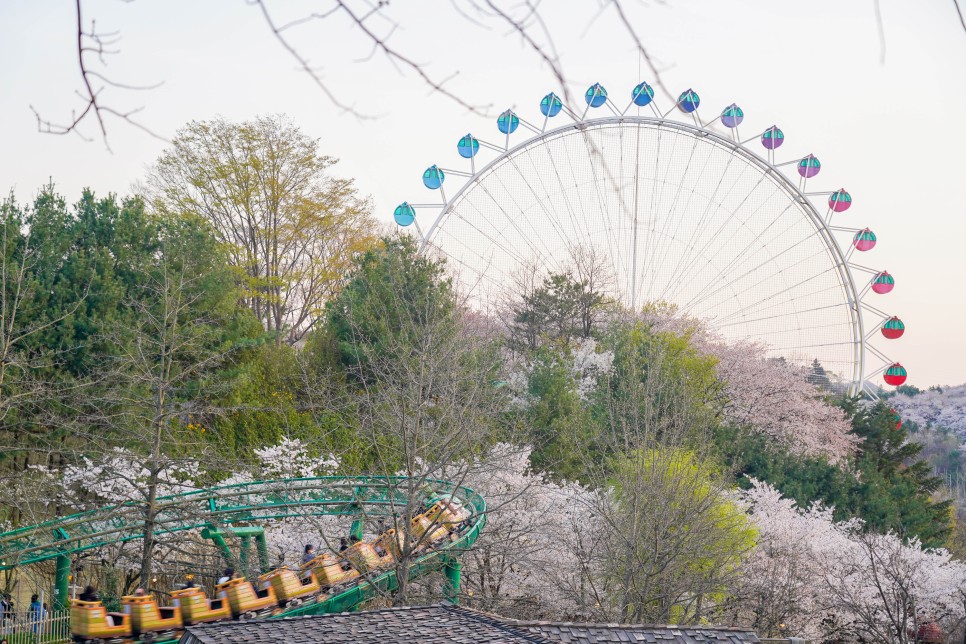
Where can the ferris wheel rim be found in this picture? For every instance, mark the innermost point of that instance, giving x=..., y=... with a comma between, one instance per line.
x=839, y=258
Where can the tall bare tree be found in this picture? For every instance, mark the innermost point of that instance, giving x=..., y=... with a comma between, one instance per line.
x=165, y=371
x=425, y=374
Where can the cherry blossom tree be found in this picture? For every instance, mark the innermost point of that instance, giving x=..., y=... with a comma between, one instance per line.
x=821, y=579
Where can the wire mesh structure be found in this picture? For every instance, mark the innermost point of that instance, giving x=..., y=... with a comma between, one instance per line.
x=681, y=211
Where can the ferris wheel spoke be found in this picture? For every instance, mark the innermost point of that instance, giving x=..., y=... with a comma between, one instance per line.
x=594, y=151
x=756, y=287
x=711, y=206
x=565, y=194
x=486, y=235
x=657, y=253
x=726, y=221
x=736, y=261
x=512, y=219
x=776, y=316
x=543, y=200
x=768, y=310
x=760, y=304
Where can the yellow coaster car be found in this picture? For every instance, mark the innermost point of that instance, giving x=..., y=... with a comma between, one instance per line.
x=385, y=546
x=196, y=608
x=447, y=512
x=148, y=618
x=246, y=602
x=290, y=589
x=90, y=621
x=328, y=570
x=363, y=557
x=423, y=525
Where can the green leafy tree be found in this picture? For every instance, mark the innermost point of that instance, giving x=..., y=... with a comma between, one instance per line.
x=288, y=225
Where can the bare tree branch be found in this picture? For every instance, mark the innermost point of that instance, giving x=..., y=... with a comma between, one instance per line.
x=96, y=43
x=959, y=12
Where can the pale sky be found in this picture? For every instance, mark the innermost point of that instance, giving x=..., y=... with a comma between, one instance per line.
x=891, y=133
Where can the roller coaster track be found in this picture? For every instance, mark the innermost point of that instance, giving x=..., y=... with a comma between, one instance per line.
x=251, y=503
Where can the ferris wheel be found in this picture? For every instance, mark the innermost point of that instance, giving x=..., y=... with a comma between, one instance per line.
x=685, y=211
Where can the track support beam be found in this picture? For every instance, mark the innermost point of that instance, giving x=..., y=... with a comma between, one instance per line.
x=453, y=572
x=62, y=583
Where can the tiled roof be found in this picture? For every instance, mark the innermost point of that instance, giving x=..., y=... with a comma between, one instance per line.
x=447, y=623
x=576, y=633
x=425, y=624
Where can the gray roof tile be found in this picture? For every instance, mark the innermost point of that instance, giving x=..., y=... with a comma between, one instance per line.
x=447, y=623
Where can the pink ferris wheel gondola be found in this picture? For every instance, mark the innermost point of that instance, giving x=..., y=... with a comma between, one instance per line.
x=864, y=240
x=883, y=283
x=840, y=200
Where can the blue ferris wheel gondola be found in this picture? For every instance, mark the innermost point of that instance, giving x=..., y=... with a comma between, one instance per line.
x=551, y=105
x=642, y=95
x=508, y=122
x=689, y=101
x=468, y=146
x=433, y=178
x=596, y=95
x=404, y=214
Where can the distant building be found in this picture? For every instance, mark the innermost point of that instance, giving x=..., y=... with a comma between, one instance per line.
x=445, y=623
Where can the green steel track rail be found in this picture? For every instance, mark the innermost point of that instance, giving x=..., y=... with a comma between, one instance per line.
x=246, y=503
x=241, y=503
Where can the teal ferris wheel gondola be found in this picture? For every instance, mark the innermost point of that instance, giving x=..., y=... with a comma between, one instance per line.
x=642, y=95
x=508, y=122
x=404, y=214
x=732, y=116
x=550, y=105
x=468, y=146
x=689, y=101
x=434, y=177
x=595, y=95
